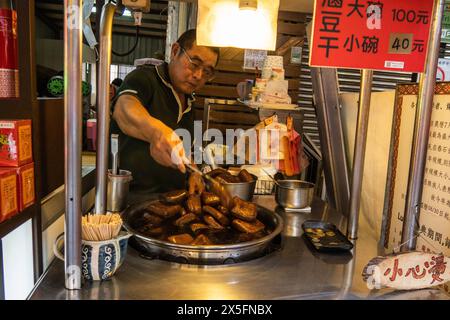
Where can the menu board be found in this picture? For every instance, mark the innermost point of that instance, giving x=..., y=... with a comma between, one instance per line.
x=367, y=34
x=434, y=221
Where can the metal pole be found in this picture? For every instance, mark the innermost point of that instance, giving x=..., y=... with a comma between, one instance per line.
x=359, y=152
x=326, y=99
x=173, y=13
x=72, y=128
x=421, y=131
x=103, y=106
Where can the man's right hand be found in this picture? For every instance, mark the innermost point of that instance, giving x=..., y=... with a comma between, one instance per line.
x=166, y=147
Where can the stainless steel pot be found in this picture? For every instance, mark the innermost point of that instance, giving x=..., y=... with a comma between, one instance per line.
x=294, y=194
x=205, y=255
x=243, y=190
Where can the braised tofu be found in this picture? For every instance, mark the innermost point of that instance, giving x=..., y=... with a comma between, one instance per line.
x=210, y=199
x=211, y=222
x=227, y=178
x=244, y=210
x=151, y=230
x=214, y=173
x=181, y=239
x=184, y=220
x=174, y=197
x=201, y=240
x=222, y=209
x=245, y=176
x=149, y=218
x=164, y=211
x=248, y=227
x=216, y=214
x=194, y=204
x=196, y=227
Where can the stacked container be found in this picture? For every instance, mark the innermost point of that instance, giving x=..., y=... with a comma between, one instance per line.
x=17, y=190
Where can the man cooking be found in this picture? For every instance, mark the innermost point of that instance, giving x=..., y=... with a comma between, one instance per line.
x=151, y=103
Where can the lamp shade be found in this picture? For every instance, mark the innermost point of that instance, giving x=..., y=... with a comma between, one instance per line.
x=222, y=23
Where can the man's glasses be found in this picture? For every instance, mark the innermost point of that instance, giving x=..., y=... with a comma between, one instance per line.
x=194, y=66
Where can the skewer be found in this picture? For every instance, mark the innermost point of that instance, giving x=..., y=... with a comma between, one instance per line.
x=100, y=227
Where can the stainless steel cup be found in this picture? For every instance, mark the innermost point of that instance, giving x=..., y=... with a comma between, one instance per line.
x=294, y=194
x=243, y=190
x=118, y=187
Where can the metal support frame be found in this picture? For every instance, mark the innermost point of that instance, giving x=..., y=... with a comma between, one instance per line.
x=73, y=127
x=326, y=99
x=359, y=152
x=103, y=109
x=172, y=26
x=180, y=17
x=192, y=15
x=421, y=131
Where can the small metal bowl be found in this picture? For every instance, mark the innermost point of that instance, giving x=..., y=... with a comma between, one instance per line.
x=294, y=194
x=243, y=190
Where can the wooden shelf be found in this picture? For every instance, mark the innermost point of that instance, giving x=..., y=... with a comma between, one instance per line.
x=15, y=221
x=13, y=109
x=26, y=107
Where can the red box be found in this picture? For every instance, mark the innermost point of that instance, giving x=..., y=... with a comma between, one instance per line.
x=25, y=186
x=8, y=193
x=15, y=143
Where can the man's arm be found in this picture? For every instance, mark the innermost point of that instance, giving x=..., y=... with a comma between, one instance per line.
x=134, y=120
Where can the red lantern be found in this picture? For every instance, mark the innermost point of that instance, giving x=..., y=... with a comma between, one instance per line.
x=9, y=69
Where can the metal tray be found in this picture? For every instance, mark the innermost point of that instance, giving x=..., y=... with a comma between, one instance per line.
x=205, y=255
x=325, y=236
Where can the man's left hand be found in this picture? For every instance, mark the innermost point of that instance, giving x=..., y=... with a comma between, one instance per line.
x=195, y=183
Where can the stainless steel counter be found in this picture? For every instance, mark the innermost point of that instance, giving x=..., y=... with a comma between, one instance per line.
x=294, y=272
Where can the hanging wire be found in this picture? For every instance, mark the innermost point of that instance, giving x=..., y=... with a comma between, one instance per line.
x=164, y=9
x=132, y=49
x=418, y=234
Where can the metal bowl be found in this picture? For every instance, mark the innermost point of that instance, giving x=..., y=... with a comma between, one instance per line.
x=294, y=194
x=205, y=255
x=243, y=190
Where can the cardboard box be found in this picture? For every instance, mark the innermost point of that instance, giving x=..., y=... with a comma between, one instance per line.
x=15, y=143
x=25, y=186
x=8, y=193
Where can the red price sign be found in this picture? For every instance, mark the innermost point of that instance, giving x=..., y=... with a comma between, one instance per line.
x=377, y=34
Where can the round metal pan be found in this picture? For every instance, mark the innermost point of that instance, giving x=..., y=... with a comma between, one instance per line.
x=205, y=255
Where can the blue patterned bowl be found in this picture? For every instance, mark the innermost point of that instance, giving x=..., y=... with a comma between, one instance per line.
x=99, y=259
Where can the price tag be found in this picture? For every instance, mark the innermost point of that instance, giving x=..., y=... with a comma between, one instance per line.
x=400, y=43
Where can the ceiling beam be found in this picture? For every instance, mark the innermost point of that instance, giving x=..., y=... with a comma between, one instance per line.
x=155, y=8
x=132, y=32
x=117, y=22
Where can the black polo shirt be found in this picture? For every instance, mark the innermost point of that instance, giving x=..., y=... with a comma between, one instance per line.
x=152, y=86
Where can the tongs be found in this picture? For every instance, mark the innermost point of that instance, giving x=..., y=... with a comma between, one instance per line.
x=215, y=186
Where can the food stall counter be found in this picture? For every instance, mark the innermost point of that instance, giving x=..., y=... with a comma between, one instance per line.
x=296, y=271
